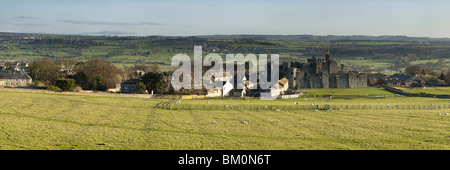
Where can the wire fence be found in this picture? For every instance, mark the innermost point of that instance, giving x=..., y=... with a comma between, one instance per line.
x=309, y=107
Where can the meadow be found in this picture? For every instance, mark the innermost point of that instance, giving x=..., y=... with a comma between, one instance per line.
x=66, y=122
x=428, y=90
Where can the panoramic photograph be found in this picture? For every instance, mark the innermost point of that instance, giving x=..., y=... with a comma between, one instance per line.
x=224, y=75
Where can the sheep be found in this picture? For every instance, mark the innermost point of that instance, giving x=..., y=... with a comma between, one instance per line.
x=243, y=122
x=439, y=114
x=340, y=108
x=446, y=114
x=278, y=110
x=213, y=122
x=315, y=110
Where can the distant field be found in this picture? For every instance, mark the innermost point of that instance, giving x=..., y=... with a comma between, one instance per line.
x=36, y=121
x=370, y=63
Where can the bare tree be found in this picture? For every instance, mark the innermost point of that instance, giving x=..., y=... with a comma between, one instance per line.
x=44, y=70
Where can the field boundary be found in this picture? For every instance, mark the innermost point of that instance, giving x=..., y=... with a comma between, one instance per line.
x=401, y=92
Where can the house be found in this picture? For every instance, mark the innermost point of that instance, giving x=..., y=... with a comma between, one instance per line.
x=409, y=80
x=415, y=82
x=375, y=79
x=15, y=80
x=392, y=81
x=283, y=85
x=214, y=92
x=227, y=87
x=128, y=86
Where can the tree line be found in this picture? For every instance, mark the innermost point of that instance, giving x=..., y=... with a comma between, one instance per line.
x=95, y=74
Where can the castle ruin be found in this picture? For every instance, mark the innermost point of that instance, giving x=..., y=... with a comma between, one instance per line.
x=321, y=73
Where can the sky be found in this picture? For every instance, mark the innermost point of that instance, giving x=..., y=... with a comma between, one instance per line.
x=415, y=18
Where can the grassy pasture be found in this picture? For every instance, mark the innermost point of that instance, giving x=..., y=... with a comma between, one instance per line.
x=56, y=121
x=428, y=90
x=348, y=91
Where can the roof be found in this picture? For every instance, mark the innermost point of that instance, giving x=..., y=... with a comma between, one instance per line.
x=402, y=77
x=14, y=76
x=283, y=81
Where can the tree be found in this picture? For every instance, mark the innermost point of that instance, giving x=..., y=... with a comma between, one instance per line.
x=65, y=84
x=44, y=70
x=115, y=53
x=140, y=88
x=81, y=80
x=67, y=64
x=413, y=70
x=155, y=81
x=442, y=76
x=98, y=84
x=447, y=77
x=100, y=74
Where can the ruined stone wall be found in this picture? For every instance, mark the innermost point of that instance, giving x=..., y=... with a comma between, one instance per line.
x=325, y=80
x=357, y=80
x=333, y=67
x=339, y=80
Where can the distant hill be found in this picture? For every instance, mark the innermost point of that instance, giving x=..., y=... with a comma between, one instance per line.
x=325, y=38
x=394, y=38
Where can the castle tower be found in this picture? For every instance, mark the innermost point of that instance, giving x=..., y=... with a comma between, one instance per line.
x=327, y=57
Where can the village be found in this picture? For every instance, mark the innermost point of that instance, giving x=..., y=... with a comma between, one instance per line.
x=316, y=73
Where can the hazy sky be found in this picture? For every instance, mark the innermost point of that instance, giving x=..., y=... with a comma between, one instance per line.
x=429, y=18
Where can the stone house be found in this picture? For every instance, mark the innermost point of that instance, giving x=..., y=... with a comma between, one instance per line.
x=214, y=92
x=15, y=80
x=128, y=86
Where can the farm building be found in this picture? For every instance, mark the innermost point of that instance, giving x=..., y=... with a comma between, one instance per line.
x=375, y=79
x=15, y=80
x=215, y=92
x=128, y=86
x=409, y=80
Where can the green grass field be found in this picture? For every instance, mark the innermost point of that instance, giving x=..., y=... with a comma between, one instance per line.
x=347, y=91
x=428, y=90
x=57, y=121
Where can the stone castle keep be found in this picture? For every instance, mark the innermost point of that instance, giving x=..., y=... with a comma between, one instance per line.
x=321, y=73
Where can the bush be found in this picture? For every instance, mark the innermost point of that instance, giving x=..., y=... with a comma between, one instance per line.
x=77, y=89
x=38, y=84
x=65, y=84
x=53, y=88
x=140, y=88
